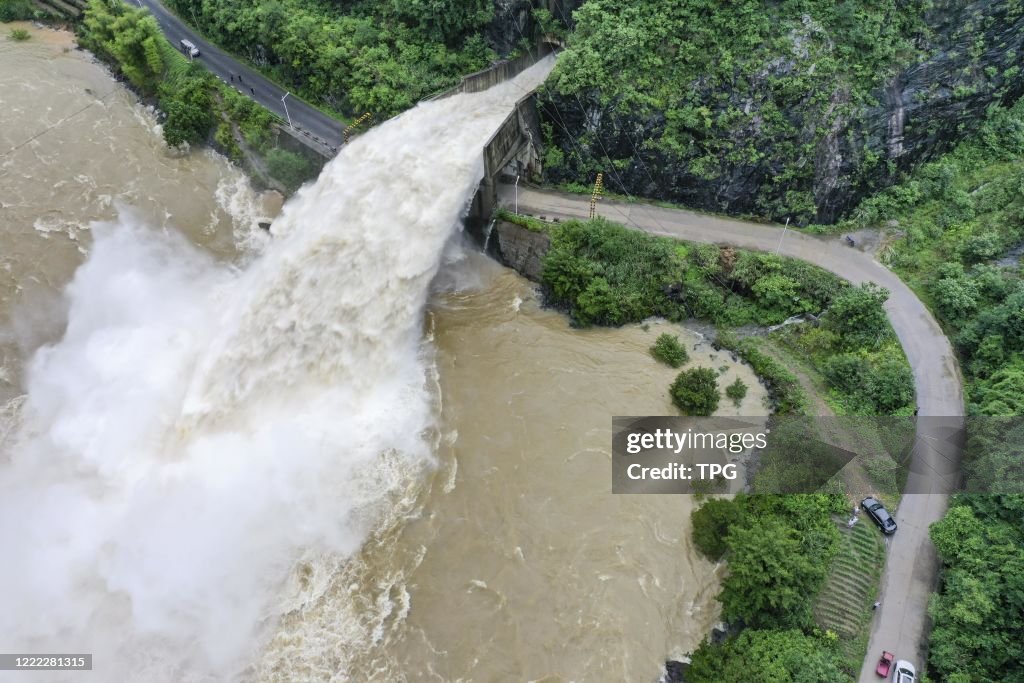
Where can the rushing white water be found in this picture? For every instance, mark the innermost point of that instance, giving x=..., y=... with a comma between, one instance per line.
x=199, y=430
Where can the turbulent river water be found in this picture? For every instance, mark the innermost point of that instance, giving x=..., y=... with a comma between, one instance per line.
x=353, y=451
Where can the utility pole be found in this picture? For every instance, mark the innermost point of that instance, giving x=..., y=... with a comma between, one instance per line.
x=289, y=116
x=517, y=195
x=782, y=238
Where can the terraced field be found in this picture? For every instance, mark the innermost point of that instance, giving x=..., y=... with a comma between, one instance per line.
x=844, y=604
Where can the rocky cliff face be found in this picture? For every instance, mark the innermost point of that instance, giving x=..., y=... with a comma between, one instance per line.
x=513, y=21
x=831, y=152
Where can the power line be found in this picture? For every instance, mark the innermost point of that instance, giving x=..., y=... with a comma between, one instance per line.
x=55, y=125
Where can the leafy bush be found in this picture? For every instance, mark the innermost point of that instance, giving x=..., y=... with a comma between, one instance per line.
x=290, y=168
x=669, y=351
x=353, y=57
x=695, y=391
x=857, y=316
x=189, y=109
x=737, y=391
x=19, y=35
x=16, y=10
x=608, y=275
x=890, y=385
x=711, y=524
x=769, y=655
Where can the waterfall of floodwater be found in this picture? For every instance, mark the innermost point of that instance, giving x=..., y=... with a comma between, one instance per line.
x=200, y=429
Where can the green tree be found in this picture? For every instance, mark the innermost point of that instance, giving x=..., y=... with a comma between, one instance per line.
x=778, y=294
x=695, y=391
x=189, y=109
x=890, y=385
x=773, y=575
x=857, y=315
x=711, y=524
x=955, y=297
x=769, y=656
x=130, y=37
x=444, y=20
x=979, y=610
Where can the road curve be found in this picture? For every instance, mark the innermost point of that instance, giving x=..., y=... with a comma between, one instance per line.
x=901, y=623
x=304, y=116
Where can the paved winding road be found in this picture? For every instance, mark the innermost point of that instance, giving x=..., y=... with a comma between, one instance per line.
x=901, y=623
x=247, y=81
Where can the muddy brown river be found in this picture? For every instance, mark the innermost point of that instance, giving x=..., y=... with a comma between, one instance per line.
x=508, y=559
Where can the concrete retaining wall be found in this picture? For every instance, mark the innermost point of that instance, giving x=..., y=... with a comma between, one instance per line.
x=498, y=72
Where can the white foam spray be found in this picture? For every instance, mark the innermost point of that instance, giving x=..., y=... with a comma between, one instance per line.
x=200, y=429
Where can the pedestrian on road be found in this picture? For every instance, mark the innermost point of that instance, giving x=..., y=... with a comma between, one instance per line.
x=232, y=78
x=876, y=605
x=252, y=90
x=239, y=78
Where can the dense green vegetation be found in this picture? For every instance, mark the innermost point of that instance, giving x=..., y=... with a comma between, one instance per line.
x=669, y=350
x=701, y=89
x=958, y=214
x=605, y=274
x=19, y=34
x=695, y=391
x=979, y=611
x=352, y=56
x=772, y=656
x=779, y=550
x=17, y=10
x=858, y=354
x=194, y=103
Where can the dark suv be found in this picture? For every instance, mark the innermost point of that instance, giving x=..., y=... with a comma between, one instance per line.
x=879, y=515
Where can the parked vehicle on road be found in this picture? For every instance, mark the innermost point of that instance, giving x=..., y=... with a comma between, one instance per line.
x=189, y=48
x=905, y=672
x=885, y=664
x=879, y=515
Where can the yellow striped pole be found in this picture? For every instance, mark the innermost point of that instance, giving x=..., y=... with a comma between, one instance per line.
x=355, y=124
x=596, y=194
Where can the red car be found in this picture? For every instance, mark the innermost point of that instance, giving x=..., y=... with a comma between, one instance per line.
x=885, y=664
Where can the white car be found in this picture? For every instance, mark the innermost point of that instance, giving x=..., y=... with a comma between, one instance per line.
x=904, y=672
x=189, y=48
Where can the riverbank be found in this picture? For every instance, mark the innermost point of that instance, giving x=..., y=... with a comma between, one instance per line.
x=195, y=108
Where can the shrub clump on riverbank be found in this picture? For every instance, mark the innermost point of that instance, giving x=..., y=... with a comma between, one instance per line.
x=605, y=274
x=669, y=350
x=695, y=391
x=779, y=550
